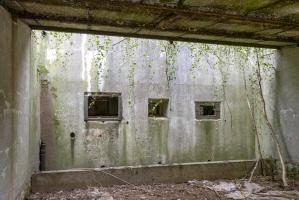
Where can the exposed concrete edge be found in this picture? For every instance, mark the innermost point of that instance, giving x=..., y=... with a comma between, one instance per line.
x=159, y=37
x=175, y=173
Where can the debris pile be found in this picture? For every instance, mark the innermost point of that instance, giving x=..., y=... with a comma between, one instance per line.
x=91, y=193
x=246, y=190
x=261, y=188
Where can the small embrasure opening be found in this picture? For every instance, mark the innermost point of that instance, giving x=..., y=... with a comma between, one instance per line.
x=157, y=107
x=207, y=110
x=102, y=106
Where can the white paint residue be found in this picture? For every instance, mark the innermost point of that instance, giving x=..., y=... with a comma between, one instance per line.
x=51, y=55
x=89, y=56
x=101, y=71
x=3, y=173
x=6, y=151
x=286, y=111
x=84, y=37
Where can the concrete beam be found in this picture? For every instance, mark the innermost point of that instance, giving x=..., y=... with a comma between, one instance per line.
x=175, y=20
x=148, y=6
x=176, y=173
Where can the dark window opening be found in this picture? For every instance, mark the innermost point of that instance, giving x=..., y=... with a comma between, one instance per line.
x=102, y=106
x=207, y=110
x=157, y=107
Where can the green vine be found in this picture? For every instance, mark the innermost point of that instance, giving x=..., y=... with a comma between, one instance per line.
x=153, y=109
x=171, y=51
x=102, y=44
x=58, y=39
x=199, y=54
x=130, y=47
x=147, y=55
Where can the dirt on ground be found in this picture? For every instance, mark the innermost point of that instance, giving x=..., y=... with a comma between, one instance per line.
x=259, y=188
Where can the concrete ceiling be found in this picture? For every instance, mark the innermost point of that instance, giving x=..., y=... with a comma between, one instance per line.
x=265, y=23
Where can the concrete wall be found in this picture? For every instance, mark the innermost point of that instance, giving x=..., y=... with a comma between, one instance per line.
x=19, y=118
x=138, y=69
x=287, y=102
x=50, y=181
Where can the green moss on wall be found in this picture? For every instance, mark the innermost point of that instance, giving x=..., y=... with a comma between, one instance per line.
x=143, y=140
x=158, y=131
x=124, y=149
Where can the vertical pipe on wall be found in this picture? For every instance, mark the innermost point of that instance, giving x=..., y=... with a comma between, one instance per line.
x=42, y=157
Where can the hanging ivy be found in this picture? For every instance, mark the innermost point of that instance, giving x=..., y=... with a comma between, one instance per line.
x=130, y=46
x=199, y=55
x=170, y=49
x=58, y=39
x=102, y=45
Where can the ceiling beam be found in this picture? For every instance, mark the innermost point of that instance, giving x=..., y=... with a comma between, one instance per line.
x=171, y=21
x=158, y=37
x=131, y=25
x=156, y=8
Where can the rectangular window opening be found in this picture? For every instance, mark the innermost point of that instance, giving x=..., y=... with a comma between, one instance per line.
x=207, y=110
x=102, y=107
x=157, y=107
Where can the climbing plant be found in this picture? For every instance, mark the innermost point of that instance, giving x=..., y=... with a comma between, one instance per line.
x=199, y=53
x=58, y=39
x=255, y=65
x=129, y=58
x=148, y=57
x=261, y=62
x=215, y=58
x=171, y=50
x=102, y=45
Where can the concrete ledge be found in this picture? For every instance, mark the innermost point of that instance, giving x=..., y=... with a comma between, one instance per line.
x=175, y=173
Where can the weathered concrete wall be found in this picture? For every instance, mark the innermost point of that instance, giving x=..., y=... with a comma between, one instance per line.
x=18, y=109
x=287, y=102
x=141, y=69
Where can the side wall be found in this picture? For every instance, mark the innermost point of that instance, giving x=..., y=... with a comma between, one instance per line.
x=287, y=101
x=19, y=131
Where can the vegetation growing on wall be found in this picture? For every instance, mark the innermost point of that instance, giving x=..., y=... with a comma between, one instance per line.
x=170, y=48
x=258, y=61
x=216, y=58
x=200, y=56
x=39, y=39
x=254, y=64
x=102, y=45
x=130, y=45
x=58, y=39
x=265, y=65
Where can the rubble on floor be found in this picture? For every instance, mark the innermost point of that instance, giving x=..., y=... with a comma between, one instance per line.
x=247, y=190
x=261, y=188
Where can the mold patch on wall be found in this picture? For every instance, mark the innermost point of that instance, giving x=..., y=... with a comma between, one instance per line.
x=140, y=69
